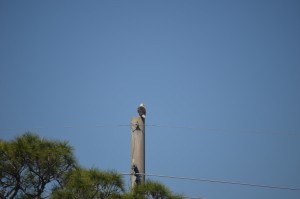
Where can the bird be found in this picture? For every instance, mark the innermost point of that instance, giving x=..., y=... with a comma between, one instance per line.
x=142, y=111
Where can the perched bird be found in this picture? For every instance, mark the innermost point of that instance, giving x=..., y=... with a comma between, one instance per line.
x=142, y=111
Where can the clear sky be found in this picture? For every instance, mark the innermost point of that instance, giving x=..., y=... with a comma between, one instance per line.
x=226, y=71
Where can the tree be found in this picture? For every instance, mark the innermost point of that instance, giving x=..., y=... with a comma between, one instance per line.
x=90, y=184
x=29, y=165
x=151, y=190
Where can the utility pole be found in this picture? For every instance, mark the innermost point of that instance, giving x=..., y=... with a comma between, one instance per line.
x=138, y=147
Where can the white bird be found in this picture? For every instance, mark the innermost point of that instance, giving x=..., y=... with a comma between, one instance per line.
x=142, y=111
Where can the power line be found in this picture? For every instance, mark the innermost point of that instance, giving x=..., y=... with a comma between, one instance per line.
x=222, y=130
x=192, y=128
x=64, y=127
x=218, y=181
x=189, y=197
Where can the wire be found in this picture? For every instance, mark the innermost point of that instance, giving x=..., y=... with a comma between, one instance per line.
x=193, y=128
x=64, y=127
x=223, y=130
x=217, y=181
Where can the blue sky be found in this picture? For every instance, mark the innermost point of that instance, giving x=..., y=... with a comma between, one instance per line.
x=228, y=70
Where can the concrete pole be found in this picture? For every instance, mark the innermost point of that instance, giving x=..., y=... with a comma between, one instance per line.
x=137, y=150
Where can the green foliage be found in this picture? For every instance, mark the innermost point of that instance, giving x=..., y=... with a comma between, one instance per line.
x=90, y=184
x=30, y=164
x=151, y=190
